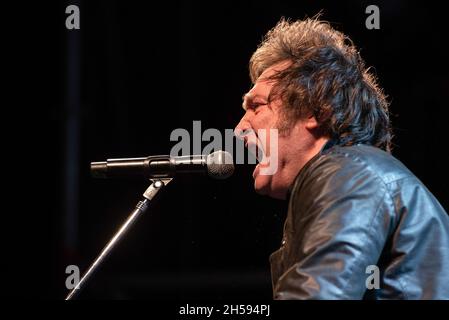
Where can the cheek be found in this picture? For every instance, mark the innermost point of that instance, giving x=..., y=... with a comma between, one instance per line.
x=264, y=118
x=269, y=137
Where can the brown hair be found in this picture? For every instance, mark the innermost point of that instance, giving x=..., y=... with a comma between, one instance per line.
x=327, y=78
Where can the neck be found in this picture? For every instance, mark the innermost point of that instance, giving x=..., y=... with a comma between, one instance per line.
x=297, y=159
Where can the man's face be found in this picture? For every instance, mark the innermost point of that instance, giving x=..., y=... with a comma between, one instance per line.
x=261, y=116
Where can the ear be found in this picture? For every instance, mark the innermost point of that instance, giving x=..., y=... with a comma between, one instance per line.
x=311, y=123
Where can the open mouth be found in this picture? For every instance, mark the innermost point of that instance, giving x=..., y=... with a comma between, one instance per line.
x=256, y=150
x=254, y=146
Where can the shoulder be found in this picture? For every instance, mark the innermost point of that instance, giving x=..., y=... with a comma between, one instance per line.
x=359, y=171
x=352, y=160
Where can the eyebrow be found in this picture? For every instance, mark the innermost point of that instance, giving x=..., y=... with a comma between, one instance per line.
x=251, y=97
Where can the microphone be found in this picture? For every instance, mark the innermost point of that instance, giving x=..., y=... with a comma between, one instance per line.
x=218, y=165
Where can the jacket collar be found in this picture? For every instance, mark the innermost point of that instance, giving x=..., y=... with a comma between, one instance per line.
x=328, y=145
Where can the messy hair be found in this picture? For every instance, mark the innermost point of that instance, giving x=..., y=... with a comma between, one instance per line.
x=326, y=78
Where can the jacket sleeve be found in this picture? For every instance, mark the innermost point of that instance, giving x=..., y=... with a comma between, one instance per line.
x=337, y=226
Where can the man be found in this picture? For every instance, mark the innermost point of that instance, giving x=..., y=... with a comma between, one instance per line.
x=359, y=223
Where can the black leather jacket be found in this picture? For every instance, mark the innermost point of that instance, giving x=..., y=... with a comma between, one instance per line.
x=355, y=207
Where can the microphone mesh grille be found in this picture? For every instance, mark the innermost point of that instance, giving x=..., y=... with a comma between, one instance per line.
x=220, y=165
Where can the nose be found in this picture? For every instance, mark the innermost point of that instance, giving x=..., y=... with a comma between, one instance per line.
x=242, y=128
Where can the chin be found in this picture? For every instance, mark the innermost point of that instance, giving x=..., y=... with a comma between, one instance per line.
x=262, y=190
x=263, y=186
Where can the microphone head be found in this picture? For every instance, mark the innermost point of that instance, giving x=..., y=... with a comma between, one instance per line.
x=220, y=164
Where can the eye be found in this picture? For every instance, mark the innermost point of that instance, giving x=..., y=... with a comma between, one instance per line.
x=257, y=107
x=253, y=105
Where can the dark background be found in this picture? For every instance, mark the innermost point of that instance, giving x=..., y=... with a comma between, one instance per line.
x=117, y=88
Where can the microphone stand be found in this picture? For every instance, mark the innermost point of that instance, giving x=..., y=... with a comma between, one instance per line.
x=141, y=207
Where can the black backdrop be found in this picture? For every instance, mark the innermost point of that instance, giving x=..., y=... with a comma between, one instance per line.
x=117, y=88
